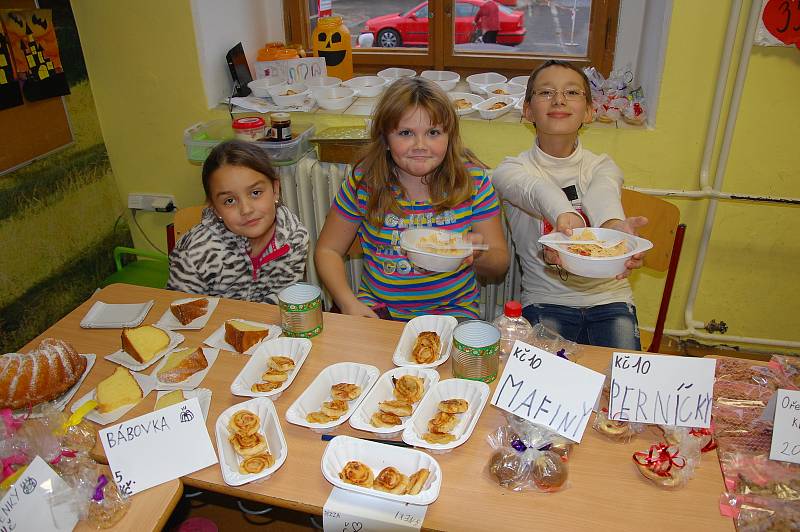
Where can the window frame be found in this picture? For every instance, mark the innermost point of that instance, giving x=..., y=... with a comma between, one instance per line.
x=603, y=22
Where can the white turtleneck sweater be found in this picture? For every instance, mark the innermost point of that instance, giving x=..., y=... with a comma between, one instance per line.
x=534, y=188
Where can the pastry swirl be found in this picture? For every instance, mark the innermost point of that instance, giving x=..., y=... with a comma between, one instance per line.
x=248, y=445
x=383, y=419
x=426, y=348
x=358, y=474
x=272, y=375
x=454, y=406
x=318, y=417
x=432, y=437
x=265, y=386
x=281, y=363
x=442, y=423
x=244, y=422
x=256, y=464
x=345, y=391
x=417, y=481
x=408, y=388
x=391, y=480
x=398, y=408
x=335, y=408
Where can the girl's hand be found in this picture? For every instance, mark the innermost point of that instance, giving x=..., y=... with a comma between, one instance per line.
x=565, y=223
x=357, y=308
x=631, y=226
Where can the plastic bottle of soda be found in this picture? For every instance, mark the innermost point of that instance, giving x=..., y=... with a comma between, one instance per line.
x=512, y=327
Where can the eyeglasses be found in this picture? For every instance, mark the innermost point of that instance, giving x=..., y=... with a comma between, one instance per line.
x=569, y=94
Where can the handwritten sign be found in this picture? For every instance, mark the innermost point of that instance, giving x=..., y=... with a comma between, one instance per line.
x=158, y=447
x=662, y=390
x=27, y=504
x=348, y=511
x=292, y=70
x=548, y=390
x=786, y=428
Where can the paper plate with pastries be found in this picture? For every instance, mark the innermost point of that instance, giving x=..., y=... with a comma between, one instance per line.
x=384, y=390
x=231, y=463
x=185, y=371
x=415, y=486
x=353, y=381
x=124, y=359
x=146, y=385
x=217, y=338
x=203, y=397
x=186, y=308
x=61, y=401
x=475, y=393
x=442, y=325
x=246, y=382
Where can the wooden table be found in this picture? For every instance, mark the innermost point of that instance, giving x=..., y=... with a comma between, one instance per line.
x=605, y=491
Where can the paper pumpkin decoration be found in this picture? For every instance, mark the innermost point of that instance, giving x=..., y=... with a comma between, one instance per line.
x=331, y=41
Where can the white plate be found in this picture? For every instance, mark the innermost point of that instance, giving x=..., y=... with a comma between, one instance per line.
x=384, y=391
x=169, y=321
x=203, y=397
x=115, y=316
x=319, y=391
x=474, y=99
x=124, y=359
x=491, y=114
x=442, y=325
x=60, y=402
x=217, y=338
x=474, y=392
x=295, y=348
x=146, y=383
x=343, y=449
x=192, y=382
x=270, y=428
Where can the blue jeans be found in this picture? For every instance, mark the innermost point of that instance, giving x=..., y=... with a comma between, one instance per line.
x=612, y=325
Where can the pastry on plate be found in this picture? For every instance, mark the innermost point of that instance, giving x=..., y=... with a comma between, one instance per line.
x=318, y=417
x=442, y=422
x=408, y=388
x=281, y=363
x=398, y=408
x=432, y=437
x=426, y=348
x=383, y=419
x=454, y=406
x=118, y=390
x=265, y=386
x=462, y=103
x=172, y=398
x=248, y=445
x=272, y=375
x=334, y=409
x=358, y=474
x=417, y=481
x=242, y=336
x=189, y=311
x=182, y=364
x=256, y=463
x=391, y=480
x=345, y=391
x=244, y=422
x=145, y=342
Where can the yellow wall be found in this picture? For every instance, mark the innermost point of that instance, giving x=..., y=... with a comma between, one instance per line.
x=144, y=71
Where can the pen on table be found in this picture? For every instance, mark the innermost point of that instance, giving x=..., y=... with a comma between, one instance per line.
x=329, y=437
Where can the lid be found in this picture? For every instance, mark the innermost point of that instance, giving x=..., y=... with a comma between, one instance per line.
x=249, y=122
x=279, y=117
x=512, y=309
x=328, y=22
x=285, y=53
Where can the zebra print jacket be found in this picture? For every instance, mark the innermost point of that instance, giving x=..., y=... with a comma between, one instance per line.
x=211, y=260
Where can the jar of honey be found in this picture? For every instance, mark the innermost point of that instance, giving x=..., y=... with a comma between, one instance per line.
x=281, y=127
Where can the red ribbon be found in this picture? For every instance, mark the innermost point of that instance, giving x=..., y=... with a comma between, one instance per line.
x=659, y=459
x=12, y=423
x=12, y=460
x=712, y=443
x=64, y=452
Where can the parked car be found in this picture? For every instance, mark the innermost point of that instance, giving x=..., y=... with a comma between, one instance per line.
x=411, y=28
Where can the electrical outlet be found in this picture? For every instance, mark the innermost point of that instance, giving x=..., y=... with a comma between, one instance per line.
x=152, y=202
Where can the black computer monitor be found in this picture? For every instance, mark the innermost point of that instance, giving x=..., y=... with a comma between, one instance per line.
x=240, y=72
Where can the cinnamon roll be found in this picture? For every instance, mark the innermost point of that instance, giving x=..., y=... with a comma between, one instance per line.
x=442, y=423
x=426, y=348
x=432, y=437
x=318, y=417
x=358, y=474
x=244, y=422
x=454, y=406
x=248, y=445
x=417, y=481
x=383, y=419
x=398, y=408
x=409, y=388
x=265, y=386
x=280, y=363
x=345, y=391
x=391, y=480
x=272, y=375
x=256, y=464
x=334, y=409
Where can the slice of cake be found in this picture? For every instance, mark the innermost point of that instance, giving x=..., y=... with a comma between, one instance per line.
x=182, y=364
x=243, y=336
x=172, y=398
x=143, y=343
x=190, y=310
x=118, y=390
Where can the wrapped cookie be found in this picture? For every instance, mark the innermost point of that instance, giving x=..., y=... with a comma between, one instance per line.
x=519, y=467
x=665, y=465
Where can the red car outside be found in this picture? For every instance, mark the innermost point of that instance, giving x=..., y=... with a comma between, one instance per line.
x=411, y=28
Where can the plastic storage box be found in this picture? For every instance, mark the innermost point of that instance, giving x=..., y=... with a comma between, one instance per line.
x=201, y=138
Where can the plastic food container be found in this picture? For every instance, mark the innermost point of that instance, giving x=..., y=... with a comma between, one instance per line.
x=201, y=138
x=434, y=262
x=473, y=99
x=446, y=79
x=597, y=267
x=260, y=86
x=289, y=94
x=324, y=82
x=504, y=89
x=366, y=86
x=335, y=98
x=393, y=74
x=249, y=128
x=477, y=82
x=486, y=111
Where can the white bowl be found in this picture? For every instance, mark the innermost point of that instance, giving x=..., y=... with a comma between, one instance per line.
x=335, y=98
x=279, y=96
x=520, y=103
x=394, y=73
x=434, y=262
x=490, y=114
x=474, y=99
x=295, y=348
x=321, y=83
x=446, y=79
x=260, y=87
x=508, y=89
x=477, y=82
x=597, y=267
x=520, y=80
x=441, y=325
x=366, y=86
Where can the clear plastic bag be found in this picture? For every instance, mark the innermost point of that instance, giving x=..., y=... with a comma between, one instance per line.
x=753, y=513
x=552, y=342
x=701, y=440
x=667, y=466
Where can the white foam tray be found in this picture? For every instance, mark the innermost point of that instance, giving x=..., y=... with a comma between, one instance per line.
x=384, y=391
x=203, y=397
x=270, y=428
x=169, y=321
x=377, y=456
x=217, y=338
x=115, y=315
x=442, y=325
x=192, y=382
x=476, y=393
x=295, y=348
x=146, y=383
x=319, y=391
x=124, y=359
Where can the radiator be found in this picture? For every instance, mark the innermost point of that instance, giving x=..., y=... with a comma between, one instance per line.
x=309, y=186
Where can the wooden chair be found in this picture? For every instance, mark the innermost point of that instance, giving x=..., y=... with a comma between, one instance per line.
x=666, y=233
x=184, y=220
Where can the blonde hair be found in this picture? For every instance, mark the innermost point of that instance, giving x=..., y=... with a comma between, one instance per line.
x=449, y=185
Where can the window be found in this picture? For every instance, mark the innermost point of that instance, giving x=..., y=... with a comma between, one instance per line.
x=443, y=34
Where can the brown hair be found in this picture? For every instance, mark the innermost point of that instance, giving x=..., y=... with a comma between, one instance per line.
x=450, y=183
x=237, y=153
x=564, y=64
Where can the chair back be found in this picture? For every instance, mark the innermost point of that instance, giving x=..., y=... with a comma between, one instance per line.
x=184, y=220
x=663, y=218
